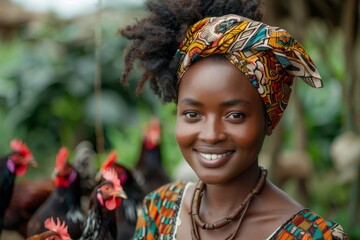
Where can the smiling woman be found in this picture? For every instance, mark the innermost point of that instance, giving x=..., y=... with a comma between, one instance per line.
x=231, y=78
x=220, y=118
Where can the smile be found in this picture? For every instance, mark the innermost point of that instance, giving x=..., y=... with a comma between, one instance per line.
x=212, y=156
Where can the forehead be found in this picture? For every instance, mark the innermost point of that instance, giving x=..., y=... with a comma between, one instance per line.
x=216, y=77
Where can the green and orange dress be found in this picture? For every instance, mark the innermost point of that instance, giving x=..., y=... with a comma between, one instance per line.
x=159, y=218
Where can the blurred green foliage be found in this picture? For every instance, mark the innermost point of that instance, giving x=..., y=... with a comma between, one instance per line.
x=47, y=74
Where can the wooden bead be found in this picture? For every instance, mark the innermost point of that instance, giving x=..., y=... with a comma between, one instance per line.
x=239, y=213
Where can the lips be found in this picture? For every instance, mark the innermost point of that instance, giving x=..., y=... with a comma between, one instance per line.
x=213, y=159
x=214, y=156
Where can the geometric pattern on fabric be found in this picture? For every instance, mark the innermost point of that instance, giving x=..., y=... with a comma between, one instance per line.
x=308, y=225
x=268, y=56
x=160, y=209
x=157, y=217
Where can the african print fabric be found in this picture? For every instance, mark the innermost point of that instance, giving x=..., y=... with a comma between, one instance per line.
x=308, y=225
x=268, y=56
x=158, y=215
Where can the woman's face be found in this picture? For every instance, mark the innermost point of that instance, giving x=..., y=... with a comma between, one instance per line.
x=220, y=120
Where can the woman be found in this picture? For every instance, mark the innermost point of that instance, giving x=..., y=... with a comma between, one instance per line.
x=230, y=76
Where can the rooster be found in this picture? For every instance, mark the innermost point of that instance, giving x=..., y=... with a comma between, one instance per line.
x=64, y=202
x=21, y=209
x=149, y=169
x=55, y=231
x=12, y=165
x=100, y=223
x=106, y=197
x=127, y=213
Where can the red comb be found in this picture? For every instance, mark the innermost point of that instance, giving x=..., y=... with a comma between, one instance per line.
x=155, y=125
x=18, y=146
x=109, y=161
x=61, y=158
x=111, y=175
x=152, y=137
x=57, y=227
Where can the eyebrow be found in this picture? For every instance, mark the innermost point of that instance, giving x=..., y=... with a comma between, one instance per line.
x=228, y=103
x=234, y=102
x=190, y=101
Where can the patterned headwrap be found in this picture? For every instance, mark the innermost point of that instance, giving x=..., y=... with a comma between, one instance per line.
x=268, y=56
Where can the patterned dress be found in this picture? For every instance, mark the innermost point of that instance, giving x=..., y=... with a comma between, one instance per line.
x=157, y=219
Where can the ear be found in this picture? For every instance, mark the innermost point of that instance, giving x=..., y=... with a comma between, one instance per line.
x=268, y=128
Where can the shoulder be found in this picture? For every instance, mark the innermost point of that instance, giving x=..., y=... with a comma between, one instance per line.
x=173, y=187
x=157, y=216
x=307, y=224
x=164, y=200
x=168, y=192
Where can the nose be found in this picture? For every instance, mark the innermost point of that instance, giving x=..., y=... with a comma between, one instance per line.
x=212, y=131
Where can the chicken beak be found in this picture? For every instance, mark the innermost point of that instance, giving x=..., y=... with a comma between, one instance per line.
x=54, y=174
x=120, y=193
x=33, y=163
x=98, y=176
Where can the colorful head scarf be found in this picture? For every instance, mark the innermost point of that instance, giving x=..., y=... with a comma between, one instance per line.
x=268, y=56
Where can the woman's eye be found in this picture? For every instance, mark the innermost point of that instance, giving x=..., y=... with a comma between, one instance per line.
x=236, y=115
x=191, y=115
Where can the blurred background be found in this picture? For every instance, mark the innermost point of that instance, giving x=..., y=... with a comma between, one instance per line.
x=60, y=63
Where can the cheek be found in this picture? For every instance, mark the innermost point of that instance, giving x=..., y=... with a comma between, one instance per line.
x=179, y=134
x=100, y=198
x=184, y=134
x=250, y=137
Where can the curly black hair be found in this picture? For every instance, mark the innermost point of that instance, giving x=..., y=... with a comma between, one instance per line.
x=156, y=38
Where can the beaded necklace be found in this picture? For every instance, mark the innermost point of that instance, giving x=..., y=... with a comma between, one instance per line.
x=197, y=222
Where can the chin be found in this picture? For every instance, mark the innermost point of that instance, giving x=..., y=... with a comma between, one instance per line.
x=213, y=178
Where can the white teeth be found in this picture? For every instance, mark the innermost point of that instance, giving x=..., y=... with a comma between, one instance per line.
x=209, y=156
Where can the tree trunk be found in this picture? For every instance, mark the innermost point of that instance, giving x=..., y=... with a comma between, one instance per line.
x=350, y=24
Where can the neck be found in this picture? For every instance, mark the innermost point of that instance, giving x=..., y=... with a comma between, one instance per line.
x=224, y=198
x=213, y=211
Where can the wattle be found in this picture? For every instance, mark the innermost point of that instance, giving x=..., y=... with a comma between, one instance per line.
x=61, y=182
x=112, y=203
x=20, y=170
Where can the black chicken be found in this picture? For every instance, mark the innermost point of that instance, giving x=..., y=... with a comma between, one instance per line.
x=106, y=197
x=12, y=165
x=149, y=169
x=21, y=208
x=101, y=220
x=127, y=213
x=64, y=202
